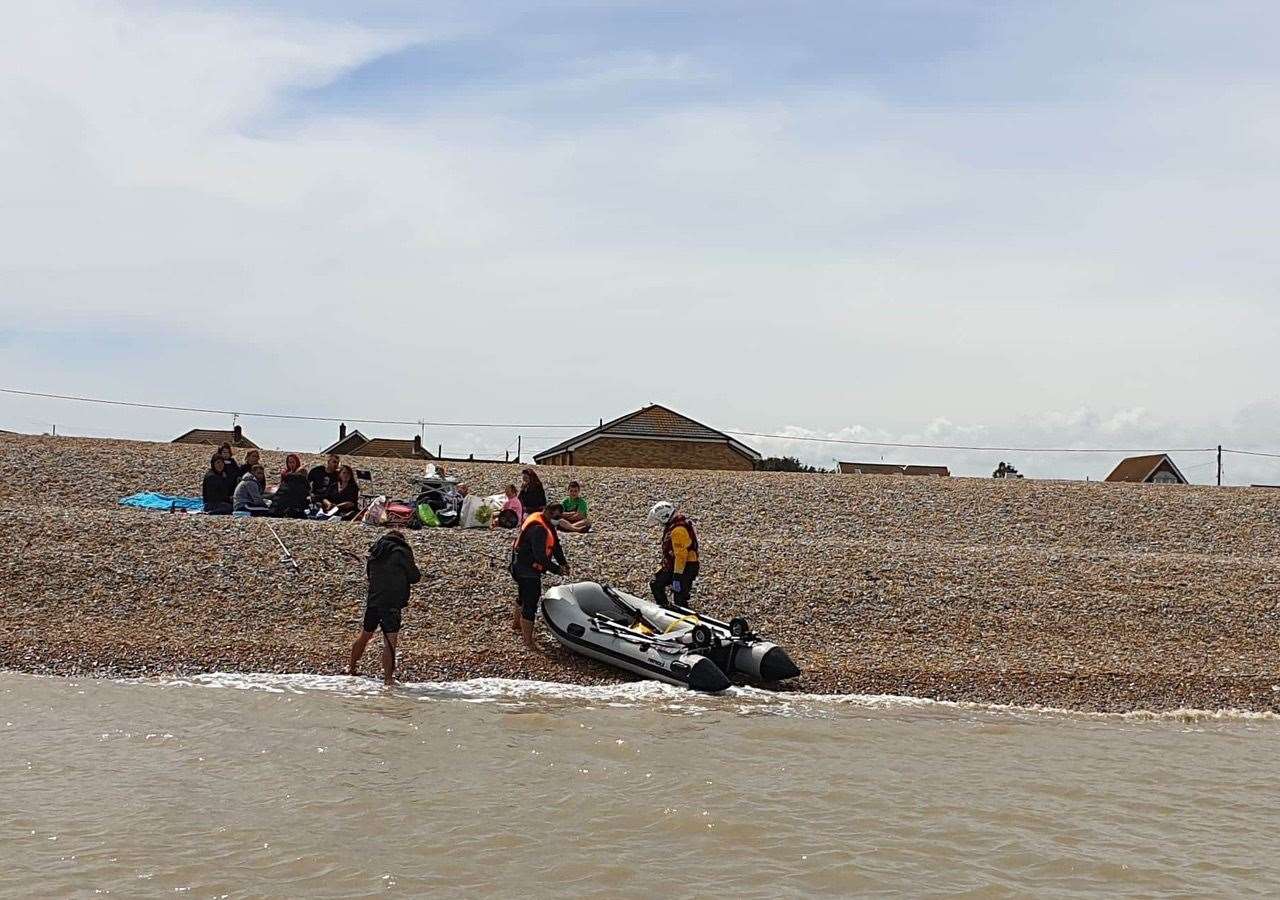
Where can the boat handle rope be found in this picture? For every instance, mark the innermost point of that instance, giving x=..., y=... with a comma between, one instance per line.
x=691, y=619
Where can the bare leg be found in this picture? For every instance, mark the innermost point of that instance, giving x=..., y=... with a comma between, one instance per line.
x=389, y=658
x=526, y=631
x=357, y=651
x=515, y=623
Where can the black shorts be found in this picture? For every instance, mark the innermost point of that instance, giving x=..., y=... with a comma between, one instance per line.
x=376, y=617
x=530, y=592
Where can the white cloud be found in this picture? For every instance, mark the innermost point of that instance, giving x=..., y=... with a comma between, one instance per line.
x=822, y=254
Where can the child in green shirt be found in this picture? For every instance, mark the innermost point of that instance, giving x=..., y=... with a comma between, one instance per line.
x=575, y=518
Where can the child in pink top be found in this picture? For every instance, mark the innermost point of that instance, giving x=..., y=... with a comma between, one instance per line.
x=513, y=503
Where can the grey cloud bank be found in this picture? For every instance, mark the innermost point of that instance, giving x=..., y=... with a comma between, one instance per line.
x=1044, y=216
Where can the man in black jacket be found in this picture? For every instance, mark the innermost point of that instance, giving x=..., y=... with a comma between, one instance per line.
x=324, y=479
x=392, y=571
x=535, y=550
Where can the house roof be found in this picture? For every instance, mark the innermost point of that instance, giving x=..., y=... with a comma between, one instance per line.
x=1139, y=468
x=856, y=468
x=347, y=444
x=653, y=422
x=390, y=447
x=940, y=471
x=215, y=436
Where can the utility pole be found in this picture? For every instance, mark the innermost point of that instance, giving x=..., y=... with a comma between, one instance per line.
x=1219, y=465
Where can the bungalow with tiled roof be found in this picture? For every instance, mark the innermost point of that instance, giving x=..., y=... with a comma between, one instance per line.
x=353, y=443
x=1156, y=468
x=217, y=437
x=654, y=437
x=856, y=468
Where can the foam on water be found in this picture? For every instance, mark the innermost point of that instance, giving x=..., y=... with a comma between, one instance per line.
x=321, y=785
x=653, y=694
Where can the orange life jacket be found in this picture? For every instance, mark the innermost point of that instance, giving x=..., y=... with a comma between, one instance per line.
x=539, y=518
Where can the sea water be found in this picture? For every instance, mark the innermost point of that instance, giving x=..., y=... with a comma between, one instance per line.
x=234, y=785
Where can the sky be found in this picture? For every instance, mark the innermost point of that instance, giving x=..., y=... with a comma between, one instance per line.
x=1015, y=224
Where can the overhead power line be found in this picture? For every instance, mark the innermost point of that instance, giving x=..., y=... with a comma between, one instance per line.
x=1252, y=453
x=265, y=415
x=792, y=437
x=534, y=425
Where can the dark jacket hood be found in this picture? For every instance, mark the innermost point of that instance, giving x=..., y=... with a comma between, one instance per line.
x=387, y=544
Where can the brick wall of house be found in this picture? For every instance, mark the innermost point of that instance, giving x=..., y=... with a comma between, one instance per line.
x=657, y=454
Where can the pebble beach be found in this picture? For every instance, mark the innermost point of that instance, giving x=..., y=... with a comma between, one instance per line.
x=1074, y=595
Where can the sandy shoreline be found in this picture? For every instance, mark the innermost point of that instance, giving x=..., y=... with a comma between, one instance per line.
x=1081, y=596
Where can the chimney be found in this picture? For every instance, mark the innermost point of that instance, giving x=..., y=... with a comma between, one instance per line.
x=417, y=445
x=342, y=431
x=236, y=433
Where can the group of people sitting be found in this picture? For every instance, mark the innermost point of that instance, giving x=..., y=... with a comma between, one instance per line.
x=532, y=498
x=327, y=491
x=331, y=491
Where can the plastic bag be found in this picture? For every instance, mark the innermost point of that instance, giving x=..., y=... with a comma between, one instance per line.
x=376, y=513
x=428, y=516
x=475, y=513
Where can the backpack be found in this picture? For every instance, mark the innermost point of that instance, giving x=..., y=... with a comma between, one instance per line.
x=508, y=519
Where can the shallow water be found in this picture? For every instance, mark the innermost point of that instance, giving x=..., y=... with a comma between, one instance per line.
x=292, y=785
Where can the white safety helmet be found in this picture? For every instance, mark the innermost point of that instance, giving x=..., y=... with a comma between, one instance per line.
x=662, y=512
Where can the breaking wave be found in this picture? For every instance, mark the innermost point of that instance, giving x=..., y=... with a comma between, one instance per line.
x=512, y=692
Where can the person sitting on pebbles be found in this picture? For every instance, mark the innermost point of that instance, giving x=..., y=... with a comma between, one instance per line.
x=292, y=495
x=233, y=468
x=343, y=496
x=217, y=487
x=575, y=519
x=533, y=497
x=323, y=478
x=249, y=499
x=392, y=571
x=516, y=514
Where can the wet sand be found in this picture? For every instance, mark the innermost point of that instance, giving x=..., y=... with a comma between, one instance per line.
x=1065, y=594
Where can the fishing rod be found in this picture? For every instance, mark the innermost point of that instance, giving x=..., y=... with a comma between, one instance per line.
x=285, y=556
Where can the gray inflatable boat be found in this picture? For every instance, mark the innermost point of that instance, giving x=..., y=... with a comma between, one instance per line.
x=675, y=645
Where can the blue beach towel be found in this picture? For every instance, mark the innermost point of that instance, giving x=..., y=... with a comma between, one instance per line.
x=152, y=500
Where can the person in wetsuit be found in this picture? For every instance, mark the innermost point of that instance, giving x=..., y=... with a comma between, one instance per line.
x=392, y=571
x=535, y=551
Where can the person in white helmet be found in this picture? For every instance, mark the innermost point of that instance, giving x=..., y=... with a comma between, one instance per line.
x=679, y=555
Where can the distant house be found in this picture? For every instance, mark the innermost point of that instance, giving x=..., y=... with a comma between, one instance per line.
x=1156, y=468
x=935, y=471
x=654, y=437
x=353, y=443
x=235, y=437
x=855, y=468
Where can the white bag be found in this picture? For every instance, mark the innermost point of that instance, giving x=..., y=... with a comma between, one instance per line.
x=376, y=514
x=470, y=506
